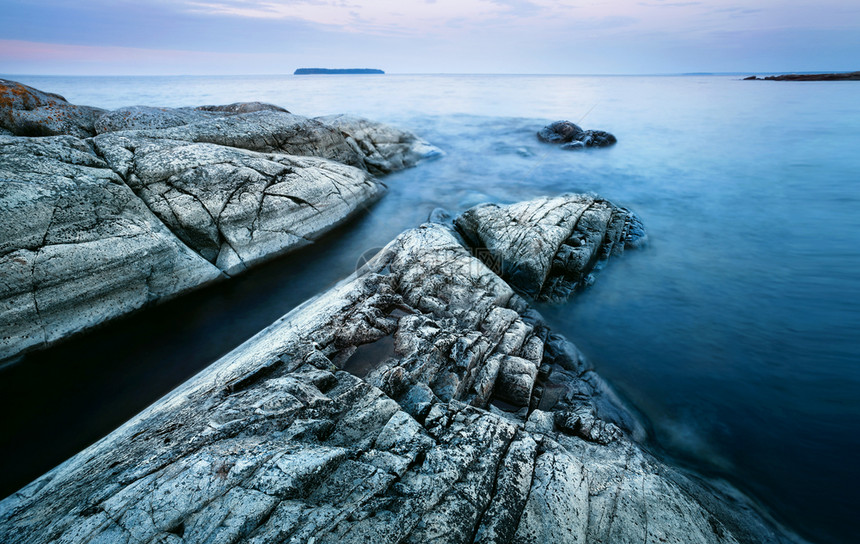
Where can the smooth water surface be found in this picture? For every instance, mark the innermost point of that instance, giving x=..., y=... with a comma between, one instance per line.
x=735, y=332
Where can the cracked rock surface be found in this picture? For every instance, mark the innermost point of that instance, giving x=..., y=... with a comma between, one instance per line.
x=420, y=400
x=149, y=117
x=549, y=246
x=236, y=207
x=384, y=148
x=163, y=200
x=572, y=136
x=77, y=247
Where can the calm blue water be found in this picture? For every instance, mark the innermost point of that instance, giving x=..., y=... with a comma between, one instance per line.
x=735, y=332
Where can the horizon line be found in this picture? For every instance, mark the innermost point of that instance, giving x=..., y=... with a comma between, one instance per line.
x=652, y=74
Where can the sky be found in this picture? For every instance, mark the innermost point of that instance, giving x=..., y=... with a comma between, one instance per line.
x=205, y=37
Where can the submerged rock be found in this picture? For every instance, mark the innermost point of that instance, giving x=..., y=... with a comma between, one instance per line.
x=447, y=438
x=25, y=111
x=77, y=247
x=572, y=136
x=548, y=247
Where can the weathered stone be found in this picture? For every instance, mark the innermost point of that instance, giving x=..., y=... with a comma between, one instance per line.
x=264, y=131
x=384, y=148
x=25, y=111
x=77, y=247
x=264, y=447
x=572, y=136
x=548, y=246
x=236, y=207
x=148, y=117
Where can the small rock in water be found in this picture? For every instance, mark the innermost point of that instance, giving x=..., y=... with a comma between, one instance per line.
x=572, y=136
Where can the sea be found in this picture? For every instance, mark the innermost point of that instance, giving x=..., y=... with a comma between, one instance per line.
x=735, y=332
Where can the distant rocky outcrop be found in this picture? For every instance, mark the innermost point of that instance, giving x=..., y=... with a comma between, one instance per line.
x=572, y=136
x=140, y=204
x=421, y=400
x=845, y=76
x=335, y=71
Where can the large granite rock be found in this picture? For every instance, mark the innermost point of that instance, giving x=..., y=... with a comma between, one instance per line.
x=25, y=111
x=77, y=247
x=572, y=136
x=549, y=247
x=200, y=192
x=420, y=400
x=237, y=207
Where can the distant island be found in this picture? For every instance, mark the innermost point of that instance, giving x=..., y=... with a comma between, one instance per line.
x=307, y=71
x=847, y=76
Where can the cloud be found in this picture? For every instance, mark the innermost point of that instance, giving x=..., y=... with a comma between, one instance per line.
x=388, y=16
x=17, y=55
x=422, y=35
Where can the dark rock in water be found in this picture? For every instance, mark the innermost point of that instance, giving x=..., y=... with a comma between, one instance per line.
x=572, y=136
x=548, y=247
x=559, y=132
x=750, y=78
x=336, y=71
x=845, y=76
x=275, y=443
x=98, y=228
x=25, y=111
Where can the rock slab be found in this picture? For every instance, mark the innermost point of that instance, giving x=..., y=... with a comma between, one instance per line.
x=77, y=246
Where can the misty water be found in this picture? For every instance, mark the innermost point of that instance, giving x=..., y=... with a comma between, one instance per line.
x=735, y=332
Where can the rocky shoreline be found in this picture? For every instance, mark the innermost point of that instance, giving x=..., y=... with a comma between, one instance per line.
x=106, y=212
x=419, y=400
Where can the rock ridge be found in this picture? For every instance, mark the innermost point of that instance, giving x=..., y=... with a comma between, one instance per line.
x=419, y=400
